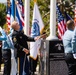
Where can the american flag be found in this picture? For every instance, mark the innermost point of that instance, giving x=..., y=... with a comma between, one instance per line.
x=20, y=13
x=61, y=23
x=8, y=16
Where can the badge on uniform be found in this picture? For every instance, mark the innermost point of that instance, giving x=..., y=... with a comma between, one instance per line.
x=14, y=39
x=20, y=37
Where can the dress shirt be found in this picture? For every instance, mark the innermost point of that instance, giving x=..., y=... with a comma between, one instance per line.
x=67, y=41
x=74, y=41
x=6, y=44
x=10, y=37
x=3, y=36
x=5, y=40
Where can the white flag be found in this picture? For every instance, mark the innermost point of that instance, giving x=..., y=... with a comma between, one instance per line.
x=37, y=26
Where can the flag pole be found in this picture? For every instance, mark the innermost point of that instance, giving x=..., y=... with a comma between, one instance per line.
x=35, y=1
x=27, y=16
x=13, y=10
x=52, y=20
x=75, y=14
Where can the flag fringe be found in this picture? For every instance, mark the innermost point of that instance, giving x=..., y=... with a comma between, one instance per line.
x=33, y=57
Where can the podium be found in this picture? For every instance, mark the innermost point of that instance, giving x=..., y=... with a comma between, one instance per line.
x=54, y=58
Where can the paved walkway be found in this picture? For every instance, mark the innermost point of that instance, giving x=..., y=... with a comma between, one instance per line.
x=1, y=72
x=36, y=73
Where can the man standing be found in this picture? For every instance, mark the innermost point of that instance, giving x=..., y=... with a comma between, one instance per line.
x=68, y=49
x=20, y=43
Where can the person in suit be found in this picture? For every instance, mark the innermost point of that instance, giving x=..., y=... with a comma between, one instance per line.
x=68, y=48
x=20, y=43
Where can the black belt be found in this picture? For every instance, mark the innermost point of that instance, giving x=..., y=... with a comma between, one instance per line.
x=6, y=49
x=68, y=53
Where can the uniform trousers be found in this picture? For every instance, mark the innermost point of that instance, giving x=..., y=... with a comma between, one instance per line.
x=23, y=66
x=33, y=65
x=6, y=53
x=71, y=63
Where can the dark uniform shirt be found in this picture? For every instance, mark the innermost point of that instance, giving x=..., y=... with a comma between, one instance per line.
x=20, y=42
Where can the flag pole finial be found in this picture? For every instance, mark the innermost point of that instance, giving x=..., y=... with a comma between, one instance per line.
x=35, y=0
x=75, y=3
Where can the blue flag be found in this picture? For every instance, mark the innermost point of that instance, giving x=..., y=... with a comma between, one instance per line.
x=67, y=17
x=12, y=10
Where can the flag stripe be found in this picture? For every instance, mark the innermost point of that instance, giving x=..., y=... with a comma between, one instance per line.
x=22, y=20
x=12, y=10
x=20, y=13
x=61, y=23
x=8, y=19
x=75, y=14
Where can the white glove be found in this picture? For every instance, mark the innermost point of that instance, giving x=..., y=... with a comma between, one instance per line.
x=74, y=55
x=0, y=29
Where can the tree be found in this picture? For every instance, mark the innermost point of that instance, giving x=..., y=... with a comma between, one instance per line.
x=2, y=14
x=73, y=1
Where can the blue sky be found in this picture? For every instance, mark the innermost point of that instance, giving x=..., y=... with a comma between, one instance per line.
x=3, y=1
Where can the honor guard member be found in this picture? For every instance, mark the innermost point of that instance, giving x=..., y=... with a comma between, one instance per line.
x=20, y=43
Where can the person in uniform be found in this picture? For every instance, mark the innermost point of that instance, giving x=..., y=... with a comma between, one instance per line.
x=20, y=43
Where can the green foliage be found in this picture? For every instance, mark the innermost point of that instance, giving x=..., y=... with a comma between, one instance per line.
x=73, y=1
x=2, y=14
x=44, y=8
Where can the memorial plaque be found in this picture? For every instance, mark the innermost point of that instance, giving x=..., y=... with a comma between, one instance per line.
x=56, y=50
x=55, y=62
